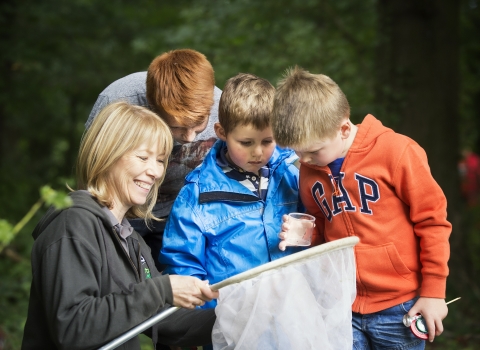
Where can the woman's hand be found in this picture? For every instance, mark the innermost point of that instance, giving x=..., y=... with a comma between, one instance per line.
x=189, y=292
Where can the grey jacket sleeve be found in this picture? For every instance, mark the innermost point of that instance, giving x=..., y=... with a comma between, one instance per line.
x=101, y=102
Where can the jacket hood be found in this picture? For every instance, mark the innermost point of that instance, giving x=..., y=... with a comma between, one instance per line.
x=81, y=200
x=368, y=132
x=370, y=129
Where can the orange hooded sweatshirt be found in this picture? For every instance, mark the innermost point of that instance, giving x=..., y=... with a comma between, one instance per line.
x=386, y=196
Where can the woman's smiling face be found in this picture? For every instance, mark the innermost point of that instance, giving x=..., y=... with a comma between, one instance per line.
x=133, y=176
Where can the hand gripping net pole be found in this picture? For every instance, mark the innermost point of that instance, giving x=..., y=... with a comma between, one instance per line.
x=301, y=301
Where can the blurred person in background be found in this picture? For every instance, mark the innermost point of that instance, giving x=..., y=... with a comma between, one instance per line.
x=469, y=169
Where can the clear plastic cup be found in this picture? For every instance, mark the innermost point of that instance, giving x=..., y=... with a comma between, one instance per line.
x=301, y=229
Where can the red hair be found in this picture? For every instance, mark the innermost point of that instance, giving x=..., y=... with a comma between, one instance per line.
x=180, y=83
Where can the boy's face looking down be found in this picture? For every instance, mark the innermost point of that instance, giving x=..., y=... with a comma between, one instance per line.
x=322, y=152
x=182, y=133
x=248, y=148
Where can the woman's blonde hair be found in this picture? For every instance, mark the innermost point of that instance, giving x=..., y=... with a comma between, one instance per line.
x=307, y=107
x=119, y=128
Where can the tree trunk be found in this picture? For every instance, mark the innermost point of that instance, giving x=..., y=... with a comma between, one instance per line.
x=7, y=16
x=418, y=77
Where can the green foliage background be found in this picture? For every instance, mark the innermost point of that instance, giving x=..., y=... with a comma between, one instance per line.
x=57, y=56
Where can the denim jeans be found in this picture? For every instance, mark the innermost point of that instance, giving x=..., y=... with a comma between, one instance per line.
x=385, y=330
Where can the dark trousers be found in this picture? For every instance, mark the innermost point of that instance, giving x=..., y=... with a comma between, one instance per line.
x=185, y=328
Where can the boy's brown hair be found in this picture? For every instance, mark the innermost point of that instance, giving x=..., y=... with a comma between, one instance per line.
x=246, y=100
x=307, y=107
x=180, y=83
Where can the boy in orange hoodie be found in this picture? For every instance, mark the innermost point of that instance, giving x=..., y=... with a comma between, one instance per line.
x=368, y=181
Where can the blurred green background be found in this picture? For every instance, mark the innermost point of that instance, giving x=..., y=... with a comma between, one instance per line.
x=415, y=65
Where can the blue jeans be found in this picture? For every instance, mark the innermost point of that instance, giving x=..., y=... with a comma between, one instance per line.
x=385, y=330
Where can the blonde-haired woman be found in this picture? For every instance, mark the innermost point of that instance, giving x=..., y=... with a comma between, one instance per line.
x=93, y=276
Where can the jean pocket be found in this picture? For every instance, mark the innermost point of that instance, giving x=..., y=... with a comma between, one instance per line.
x=406, y=306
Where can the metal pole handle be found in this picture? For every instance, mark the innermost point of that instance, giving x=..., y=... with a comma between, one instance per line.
x=139, y=329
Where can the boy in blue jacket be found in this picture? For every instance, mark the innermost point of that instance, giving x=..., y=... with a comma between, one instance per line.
x=226, y=218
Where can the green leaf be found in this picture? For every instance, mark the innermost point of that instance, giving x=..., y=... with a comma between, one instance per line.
x=58, y=199
x=6, y=233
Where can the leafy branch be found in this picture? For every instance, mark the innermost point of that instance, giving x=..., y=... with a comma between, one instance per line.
x=48, y=196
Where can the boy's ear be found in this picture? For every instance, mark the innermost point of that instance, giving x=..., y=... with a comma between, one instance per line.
x=345, y=128
x=220, y=131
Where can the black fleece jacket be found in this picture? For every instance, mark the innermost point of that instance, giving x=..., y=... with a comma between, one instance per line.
x=86, y=291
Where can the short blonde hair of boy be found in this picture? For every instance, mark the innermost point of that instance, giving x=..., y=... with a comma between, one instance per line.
x=246, y=100
x=180, y=83
x=307, y=107
x=119, y=128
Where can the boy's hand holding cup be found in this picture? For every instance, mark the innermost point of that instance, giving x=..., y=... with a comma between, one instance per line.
x=297, y=229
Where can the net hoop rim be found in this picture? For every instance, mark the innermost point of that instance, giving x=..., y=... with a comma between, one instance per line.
x=287, y=260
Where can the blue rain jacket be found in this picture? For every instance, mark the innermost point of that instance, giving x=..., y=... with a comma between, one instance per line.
x=218, y=228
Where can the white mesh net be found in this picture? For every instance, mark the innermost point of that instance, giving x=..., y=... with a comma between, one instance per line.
x=304, y=304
